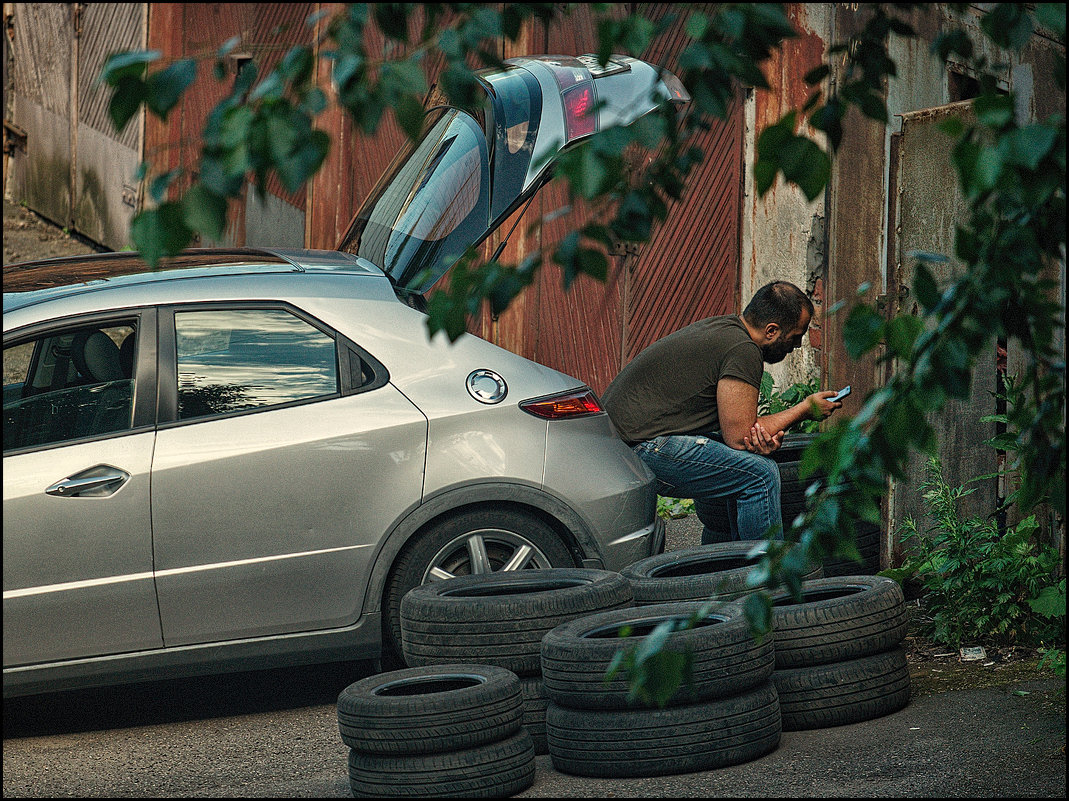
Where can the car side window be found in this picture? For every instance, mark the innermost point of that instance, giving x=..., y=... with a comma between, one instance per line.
x=68, y=385
x=232, y=360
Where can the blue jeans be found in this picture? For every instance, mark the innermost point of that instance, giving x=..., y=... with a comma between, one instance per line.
x=705, y=469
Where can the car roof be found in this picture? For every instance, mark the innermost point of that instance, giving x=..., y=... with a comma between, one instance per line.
x=33, y=282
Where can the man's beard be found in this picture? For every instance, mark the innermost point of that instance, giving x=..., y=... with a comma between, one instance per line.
x=775, y=352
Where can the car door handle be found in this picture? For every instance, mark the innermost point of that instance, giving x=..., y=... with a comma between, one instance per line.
x=99, y=481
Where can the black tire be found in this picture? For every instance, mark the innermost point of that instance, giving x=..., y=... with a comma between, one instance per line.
x=839, y=693
x=696, y=574
x=867, y=539
x=838, y=619
x=726, y=660
x=500, y=618
x=621, y=743
x=492, y=770
x=535, y=702
x=430, y=709
x=502, y=531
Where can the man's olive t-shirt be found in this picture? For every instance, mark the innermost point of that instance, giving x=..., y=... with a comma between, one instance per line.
x=670, y=387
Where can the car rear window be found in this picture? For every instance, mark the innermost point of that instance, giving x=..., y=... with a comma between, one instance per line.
x=232, y=360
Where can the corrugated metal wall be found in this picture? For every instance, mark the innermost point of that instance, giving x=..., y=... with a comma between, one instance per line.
x=105, y=193
x=197, y=30
x=41, y=84
x=75, y=169
x=690, y=269
x=590, y=330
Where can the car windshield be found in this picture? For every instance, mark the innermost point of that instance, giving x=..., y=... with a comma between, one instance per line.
x=430, y=205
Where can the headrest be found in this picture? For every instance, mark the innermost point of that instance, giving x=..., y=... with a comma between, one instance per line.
x=97, y=357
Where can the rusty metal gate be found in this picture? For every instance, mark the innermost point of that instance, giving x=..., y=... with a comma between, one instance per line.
x=68, y=163
x=927, y=206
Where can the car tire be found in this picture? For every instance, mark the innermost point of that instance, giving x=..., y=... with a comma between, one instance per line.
x=726, y=659
x=503, y=535
x=535, y=702
x=680, y=739
x=696, y=574
x=867, y=540
x=821, y=696
x=493, y=770
x=430, y=709
x=500, y=618
x=838, y=619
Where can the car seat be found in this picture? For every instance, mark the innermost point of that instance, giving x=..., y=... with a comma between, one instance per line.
x=98, y=361
x=96, y=357
x=126, y=355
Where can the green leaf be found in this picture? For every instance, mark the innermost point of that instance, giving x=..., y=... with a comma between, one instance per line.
x=817, y=74
x=758, y=610
x=813, y=172
x=406, y=76
x=1050, y=602
x=164, y=89
x=902, y=333
x=764, y=176
x=873, y=107
x=1052, y=15
x=1008, y=24
x=409, y=111
x=204, y=211
x=127, y=64
x=297, y=65
x=952, y=126
x=994, y=110
x=125, y=102
x=1029, y=146
x=392, y=19
x=228, y=46
x=159, y=186
x=925, y=289
x=697, y=25
x=160, y=232
x=829, y=120
x=862, y=331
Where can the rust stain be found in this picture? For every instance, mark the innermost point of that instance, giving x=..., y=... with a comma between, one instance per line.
x=785, y=71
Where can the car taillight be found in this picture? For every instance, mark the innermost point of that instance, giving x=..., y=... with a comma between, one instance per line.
x=579, y=114
x=570, y=405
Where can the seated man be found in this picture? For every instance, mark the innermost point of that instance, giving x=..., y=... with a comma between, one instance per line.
x=687, y=405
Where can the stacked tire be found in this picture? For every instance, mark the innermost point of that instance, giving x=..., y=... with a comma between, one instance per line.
x=838, y=655
x=450, y=731
x=726, y=714
x=500, y=619
x=700, y=573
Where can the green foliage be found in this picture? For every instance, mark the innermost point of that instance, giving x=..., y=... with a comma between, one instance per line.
x=982, y=585
x=1050, y=603
x=771, y=400
x=674, y=508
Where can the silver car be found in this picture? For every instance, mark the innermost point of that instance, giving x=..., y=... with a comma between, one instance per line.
x=245, y=459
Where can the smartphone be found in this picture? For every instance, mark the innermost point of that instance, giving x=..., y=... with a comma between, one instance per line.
x=842, y=394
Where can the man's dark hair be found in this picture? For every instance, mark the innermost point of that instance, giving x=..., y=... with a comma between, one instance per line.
x=779, y=302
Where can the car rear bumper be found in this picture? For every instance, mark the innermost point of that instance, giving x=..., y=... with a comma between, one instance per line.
x=630, y=548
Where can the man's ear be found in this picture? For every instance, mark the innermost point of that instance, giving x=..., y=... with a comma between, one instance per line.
x=770, y=331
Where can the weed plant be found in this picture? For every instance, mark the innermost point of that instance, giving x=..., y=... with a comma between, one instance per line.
x=770, y=400
x=983, y=585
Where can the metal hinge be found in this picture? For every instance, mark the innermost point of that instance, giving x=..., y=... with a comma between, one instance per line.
x=900, y=298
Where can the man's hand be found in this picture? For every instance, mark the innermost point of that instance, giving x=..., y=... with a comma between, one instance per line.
x=759, y=440
x=820, y=406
